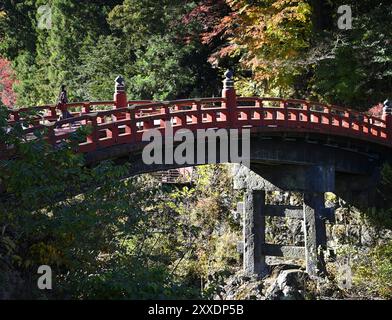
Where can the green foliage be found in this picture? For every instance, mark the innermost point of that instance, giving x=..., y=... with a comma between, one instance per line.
x=342, y=86
x=161, y=71
x=58, y=212
x=357, y=72
x=141, y=19
x=105, y=237
x=157, y=47
x=381, y=216
x=208, y=229
x=16, y=28
x=374, y=273
x=101, y=62
x=90, y=43
x=163, y=61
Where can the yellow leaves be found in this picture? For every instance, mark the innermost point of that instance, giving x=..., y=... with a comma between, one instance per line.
x=67, y=238
x=17, y=260
x=208, y=210
x=47, y=254
x=28, y=263
x=272, y=35
x=243, y=9
x=304, y=11
x=39, y=253
x=291, y=53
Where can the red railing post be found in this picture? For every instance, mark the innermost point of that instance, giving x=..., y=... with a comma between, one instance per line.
x=51, y=135
x=165, y=111
x=286, y=113
x=198, y=119
x=16, y=115
x=387, y=117
x=86, y=108
x=93, y=137
x=53, y=113
x=131, y=127
x=229, y=94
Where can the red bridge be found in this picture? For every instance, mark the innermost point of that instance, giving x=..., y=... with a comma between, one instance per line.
x=296, y=145
x=126, y=121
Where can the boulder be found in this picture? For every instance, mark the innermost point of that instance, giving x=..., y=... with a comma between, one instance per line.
x=289, y=285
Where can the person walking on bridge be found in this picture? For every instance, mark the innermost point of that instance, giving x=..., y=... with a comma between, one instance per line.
x=62, y=104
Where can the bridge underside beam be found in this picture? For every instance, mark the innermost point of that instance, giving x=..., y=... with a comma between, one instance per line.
x=284, y=211
x=290, y=252
x=263, y=150
x=298, y=178
x=284, y=160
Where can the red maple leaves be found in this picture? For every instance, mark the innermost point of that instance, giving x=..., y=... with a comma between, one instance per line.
x=210, y=14
x=377, y=110
x=7, y=79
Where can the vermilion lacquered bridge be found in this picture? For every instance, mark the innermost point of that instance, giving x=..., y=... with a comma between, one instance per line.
x=126, y=121
x=312, y=166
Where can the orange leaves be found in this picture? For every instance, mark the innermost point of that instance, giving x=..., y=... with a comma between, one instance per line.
x=272, y=34
x=268, y=36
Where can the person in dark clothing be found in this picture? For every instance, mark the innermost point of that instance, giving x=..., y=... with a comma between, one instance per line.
x=61, y=104
x=62, y=101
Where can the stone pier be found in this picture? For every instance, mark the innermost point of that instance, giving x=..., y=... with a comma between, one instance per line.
x=313, y=182
x=254, y=232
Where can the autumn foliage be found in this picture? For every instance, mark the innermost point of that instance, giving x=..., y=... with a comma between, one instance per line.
x=267, y=38
x=377, y=110
x=7, y=79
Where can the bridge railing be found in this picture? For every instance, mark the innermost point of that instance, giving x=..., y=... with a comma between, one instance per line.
x=297, y=114
x=127, y=125
x=52, y=113
x=121, y=121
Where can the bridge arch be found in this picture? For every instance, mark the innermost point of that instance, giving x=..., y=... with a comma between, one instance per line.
x=284, y=132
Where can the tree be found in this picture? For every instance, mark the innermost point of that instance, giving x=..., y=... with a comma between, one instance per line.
x=100, y=63
x=7, y=79
x=17, y=28
x=269, y=38
x=164, y=59
x=100, y=244
x=46, y=58
x=90, y=43
x=357, y=70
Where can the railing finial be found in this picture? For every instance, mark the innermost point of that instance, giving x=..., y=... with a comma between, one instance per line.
x=230, y=96
x=228, y=82
x=120, y=84
x=387, y=110
x=387, y=117
x=120, y=95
